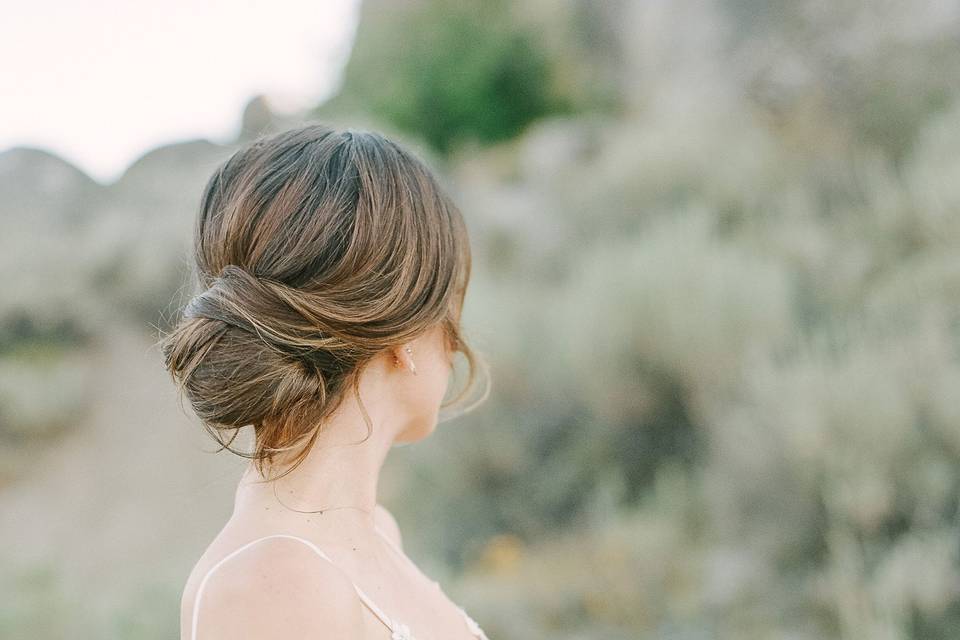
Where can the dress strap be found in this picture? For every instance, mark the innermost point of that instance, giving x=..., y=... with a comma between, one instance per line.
x=377, y=611
x=472, y=624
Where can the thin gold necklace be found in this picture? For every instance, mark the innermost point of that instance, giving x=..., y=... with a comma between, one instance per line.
x=320, y=511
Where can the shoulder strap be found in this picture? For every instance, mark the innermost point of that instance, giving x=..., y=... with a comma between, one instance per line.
x=472, y=624
x=377, y=611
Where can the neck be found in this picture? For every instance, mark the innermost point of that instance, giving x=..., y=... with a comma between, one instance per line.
x=340, y=473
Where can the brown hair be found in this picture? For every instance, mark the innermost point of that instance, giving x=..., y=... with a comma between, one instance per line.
x=317, y=250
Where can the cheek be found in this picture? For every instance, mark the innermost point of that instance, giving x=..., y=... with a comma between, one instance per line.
x=426, y=389
x=436, y=382
x=438, y=369
x=426, y=392
x=434, y=375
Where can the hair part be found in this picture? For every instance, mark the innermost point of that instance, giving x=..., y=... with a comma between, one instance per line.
x=315, y=250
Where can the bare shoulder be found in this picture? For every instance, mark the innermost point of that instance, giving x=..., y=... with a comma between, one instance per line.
x=387, y=524
x=276, y=588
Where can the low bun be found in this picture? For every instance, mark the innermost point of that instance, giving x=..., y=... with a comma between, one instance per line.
x=316, y=250
x=288, y=321
x=247, y=355
x=234, y=379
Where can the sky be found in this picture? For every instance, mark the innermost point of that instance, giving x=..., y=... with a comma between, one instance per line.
x=101, y=82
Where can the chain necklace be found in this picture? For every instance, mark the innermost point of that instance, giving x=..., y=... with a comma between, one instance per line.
x=320, y=511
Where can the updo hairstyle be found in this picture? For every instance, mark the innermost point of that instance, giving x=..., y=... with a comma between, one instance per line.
x=315, y=250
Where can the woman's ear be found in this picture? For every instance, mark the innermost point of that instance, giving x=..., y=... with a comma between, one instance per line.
x=403, y=357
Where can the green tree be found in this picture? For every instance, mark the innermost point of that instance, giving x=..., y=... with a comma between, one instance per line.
x=450, y=72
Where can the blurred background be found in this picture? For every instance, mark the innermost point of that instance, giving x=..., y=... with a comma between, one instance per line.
x=715, y=275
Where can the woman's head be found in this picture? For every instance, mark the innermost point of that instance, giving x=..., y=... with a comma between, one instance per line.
x=318, y=251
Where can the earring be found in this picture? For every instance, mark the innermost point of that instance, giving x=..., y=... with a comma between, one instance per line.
x=413, y=367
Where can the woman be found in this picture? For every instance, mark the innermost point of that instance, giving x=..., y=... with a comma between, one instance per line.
x=334, y=269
